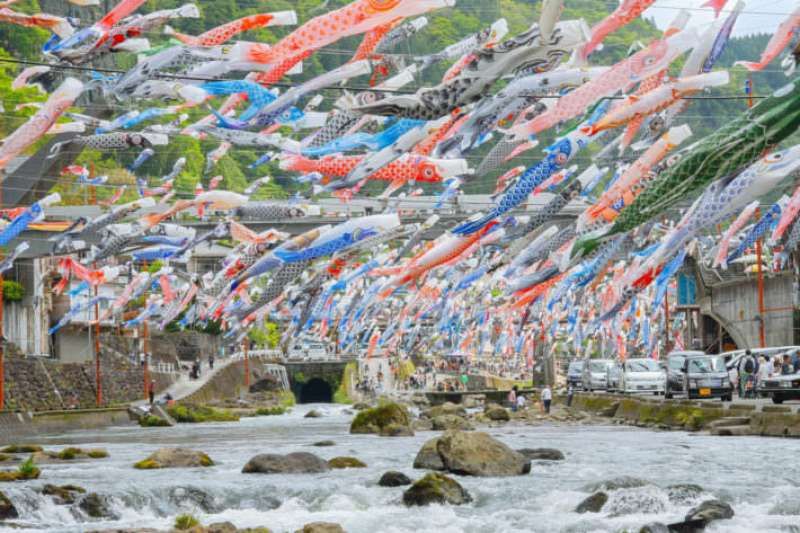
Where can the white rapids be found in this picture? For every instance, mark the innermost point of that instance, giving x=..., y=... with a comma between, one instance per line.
x=759, y=477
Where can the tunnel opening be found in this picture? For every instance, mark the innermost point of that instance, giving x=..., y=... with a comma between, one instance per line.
x=316, y=390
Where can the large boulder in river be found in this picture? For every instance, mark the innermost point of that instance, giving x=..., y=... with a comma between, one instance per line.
x=436, y=488
x=592, y=504
x=293, y=463
x=542, y=454
x=174, y=458
x=447, y=408
x=428, y=457
x=7, y=509
x=473, y=453
x=321, y=527
x=378, y=420
x=445, y=422
x=496, y=412
x=394, y=479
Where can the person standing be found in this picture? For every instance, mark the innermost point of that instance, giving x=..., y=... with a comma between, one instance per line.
x=547, y=398
x=512, y=398
x=211, y=362
x=151, y=391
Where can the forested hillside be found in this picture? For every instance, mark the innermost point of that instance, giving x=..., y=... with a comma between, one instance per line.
x=445, y=27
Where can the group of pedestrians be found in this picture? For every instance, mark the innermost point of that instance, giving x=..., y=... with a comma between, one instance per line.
x=518, y=401
x=752, y=370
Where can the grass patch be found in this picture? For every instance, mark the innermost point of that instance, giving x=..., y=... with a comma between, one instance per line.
x=97, y=454
x=186, y=521
x=342, y=394
x=147, y=464
x=270, y=411
x=150, y=421
x=22, y=448
x=195, y=414
x=27, y=470
x=68, y=454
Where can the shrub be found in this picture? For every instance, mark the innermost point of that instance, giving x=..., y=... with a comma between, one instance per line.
x=194, y=414
x=13, y=291
x=186, y=521
x=287, y=399
x=270, y=411
x=68, y=454
x=150, y=421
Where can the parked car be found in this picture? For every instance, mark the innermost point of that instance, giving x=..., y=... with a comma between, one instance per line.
x=574, y=373
x=641, y=375
x=697, y=375
x=782, y=388
x=594, y=375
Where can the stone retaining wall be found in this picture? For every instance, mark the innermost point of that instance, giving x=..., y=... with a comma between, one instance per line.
x=770, y=421
x=15, y=426
x=41, y=385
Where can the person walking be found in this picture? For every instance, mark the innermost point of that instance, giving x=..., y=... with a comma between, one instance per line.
x=747, y=368
x=151, y=391
x=211, y=362
x=547, y=398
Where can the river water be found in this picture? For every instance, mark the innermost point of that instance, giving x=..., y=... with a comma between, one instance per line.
x=758, y=477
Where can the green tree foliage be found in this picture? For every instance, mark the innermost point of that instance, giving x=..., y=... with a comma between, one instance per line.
x=267, y=336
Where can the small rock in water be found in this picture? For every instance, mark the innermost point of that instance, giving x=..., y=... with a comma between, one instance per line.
x=542, y=454
x=360, y=406
x=193, y=498
x=346, y=462
x=324, y=443
x=422, y=424
x=174, y=458
x=436, y=488
x=623, y=482
x=592, y=504
x=321, y=527
x=710, y=510
x=497, y=413
x=221, y=527
x=447, y=408
x=394, y=479
x=445, y=422
x=96, y=506
x=293, y=463
x=313, y=414
x=63, y=495
x=684, y=493
x=7, y=509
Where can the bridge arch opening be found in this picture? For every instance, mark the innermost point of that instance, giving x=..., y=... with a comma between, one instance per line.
x=315, y=390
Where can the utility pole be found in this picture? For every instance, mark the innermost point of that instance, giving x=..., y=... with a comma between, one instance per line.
x=245, y=347
x=146, y=356
x=98, y=380
x=762, y=337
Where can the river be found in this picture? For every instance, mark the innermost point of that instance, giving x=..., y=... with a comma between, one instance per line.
x=758, y=476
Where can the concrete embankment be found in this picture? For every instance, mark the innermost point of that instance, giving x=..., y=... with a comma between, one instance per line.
x=718, y=418
x=19, y=424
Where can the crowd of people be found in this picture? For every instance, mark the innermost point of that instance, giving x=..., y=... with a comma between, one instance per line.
x=752, y=370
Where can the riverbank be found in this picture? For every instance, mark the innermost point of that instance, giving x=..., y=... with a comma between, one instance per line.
x=718, y=418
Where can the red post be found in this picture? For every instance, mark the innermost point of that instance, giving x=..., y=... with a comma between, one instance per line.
x=245, y=346
x=145, y=354
x=98, y=380
x=762, y=337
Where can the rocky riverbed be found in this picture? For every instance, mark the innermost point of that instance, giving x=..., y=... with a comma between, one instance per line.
x=583, y=475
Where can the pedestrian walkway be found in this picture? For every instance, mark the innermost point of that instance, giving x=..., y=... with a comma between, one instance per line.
x=186, y=387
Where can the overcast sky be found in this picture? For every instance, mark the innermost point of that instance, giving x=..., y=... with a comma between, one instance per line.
x=758, y=16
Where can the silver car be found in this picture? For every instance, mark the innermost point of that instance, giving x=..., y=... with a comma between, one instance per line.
x=595, y=374
x=641, y=375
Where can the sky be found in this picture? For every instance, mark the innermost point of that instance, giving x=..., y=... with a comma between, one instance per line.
x=758, y=16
